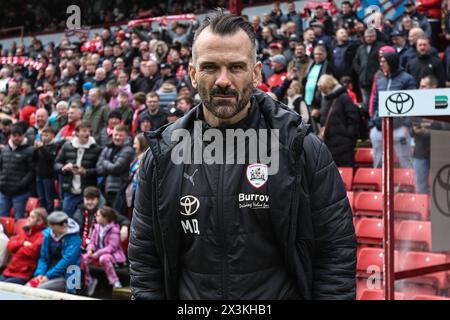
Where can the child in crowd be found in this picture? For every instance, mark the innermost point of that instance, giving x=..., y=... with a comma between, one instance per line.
x=105, y=246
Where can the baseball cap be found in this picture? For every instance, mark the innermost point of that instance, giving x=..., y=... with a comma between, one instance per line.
x=175, y=112
x=72, y=81
x=57, y=217
x=293, y=37
x=88, y=85
x=164, y=65
x=275, y=45
x=279, y=58
x=317, y=24
x=397, y=33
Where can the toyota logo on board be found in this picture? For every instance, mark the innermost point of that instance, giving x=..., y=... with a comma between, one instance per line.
x=399, y=103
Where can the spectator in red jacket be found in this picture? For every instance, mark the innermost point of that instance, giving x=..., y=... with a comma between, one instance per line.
x=25, y=248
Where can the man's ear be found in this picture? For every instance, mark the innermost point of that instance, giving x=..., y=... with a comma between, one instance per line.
x=257, y=77
x=192, y=73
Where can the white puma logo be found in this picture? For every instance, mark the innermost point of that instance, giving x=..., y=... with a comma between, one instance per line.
x=190, y=177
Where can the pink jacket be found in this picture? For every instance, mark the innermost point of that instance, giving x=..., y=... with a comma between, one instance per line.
x=111, y=242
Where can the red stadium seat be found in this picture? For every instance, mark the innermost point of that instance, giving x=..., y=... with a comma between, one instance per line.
x=412, y=206
x=19, y=225
x=351, y=200
x=368, y=203
x=32, y=203
x=8, y=225
x=367, y=179
x=368, y=257
x=414, y=260
x=347, y=177
x=374, y=294
x=370, y=231
x=404, y=180
x=364, y=157
x=428, y=297
x=414, y=235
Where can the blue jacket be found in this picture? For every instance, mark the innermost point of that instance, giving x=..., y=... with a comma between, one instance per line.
x=70, y=252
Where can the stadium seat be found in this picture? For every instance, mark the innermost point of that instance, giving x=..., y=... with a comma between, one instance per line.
x=404, y=180
x=364, y=157
x=370, y=231
x=19, y=225
x=367, y=179
x=351, y=200
x=413, y=206
x=414, y=260
x=32, y=203
x=368, y=257
x=414, y=235
x=8, y=225
x=368, y=203
x=347, y=177
x=374, y=294
x=429, y=297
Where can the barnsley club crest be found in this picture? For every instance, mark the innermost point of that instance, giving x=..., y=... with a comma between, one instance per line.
x=257, y=174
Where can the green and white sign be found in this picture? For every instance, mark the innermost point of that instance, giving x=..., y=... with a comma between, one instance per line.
x=408, y=103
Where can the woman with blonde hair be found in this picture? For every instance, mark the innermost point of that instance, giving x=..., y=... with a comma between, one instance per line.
x=295, y=100
x=339, y=121
x=160, y=50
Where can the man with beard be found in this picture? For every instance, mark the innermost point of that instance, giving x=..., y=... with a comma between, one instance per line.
x=197, y=231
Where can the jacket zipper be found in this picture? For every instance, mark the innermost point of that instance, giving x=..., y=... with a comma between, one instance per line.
x=222, y=225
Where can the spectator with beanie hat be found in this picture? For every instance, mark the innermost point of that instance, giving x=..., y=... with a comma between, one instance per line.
x=16, y=173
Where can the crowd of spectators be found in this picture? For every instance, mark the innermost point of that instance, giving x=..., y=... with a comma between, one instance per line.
x=72, y=126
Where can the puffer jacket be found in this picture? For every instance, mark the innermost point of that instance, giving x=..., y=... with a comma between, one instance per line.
x=115, y=168
x=68, y=154
x=16, y=169
x=310, y=220
x=341, y=131
x=111, y=242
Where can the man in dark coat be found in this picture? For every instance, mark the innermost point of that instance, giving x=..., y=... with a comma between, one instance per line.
x=16, y=173
x=239, y=231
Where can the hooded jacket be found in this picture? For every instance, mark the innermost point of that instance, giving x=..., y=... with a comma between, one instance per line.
x=16, y=168
x=309, y=216
x=59, y=252
x=397, y=79
x=111, y=242
x=24, y=258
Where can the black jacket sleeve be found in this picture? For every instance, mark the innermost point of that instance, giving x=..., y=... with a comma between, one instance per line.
x=334, y=262
x=146, y=272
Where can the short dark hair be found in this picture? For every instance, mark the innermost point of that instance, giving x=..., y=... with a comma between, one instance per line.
x=108, y=213
x=139, y=97
x=222, y=23
x=49, y=129
x=91, y=192
x=121, y=128
x=434, y=82
x=82, y=125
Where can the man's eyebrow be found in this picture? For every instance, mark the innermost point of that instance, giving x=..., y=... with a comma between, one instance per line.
x=237, y=62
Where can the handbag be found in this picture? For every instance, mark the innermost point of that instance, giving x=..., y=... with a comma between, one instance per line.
x=323, y=129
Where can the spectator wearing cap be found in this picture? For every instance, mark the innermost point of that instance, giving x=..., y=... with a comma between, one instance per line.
x=113, y=164
x=174, y=114
x=98, y=113
x=279, y=64
x=76, y=163
x=391, y=77
x=343, y=54
x=166, y=73
x=72, y=73
x=400, y=44
x=29, y=96
x=319, y=67
x=425, y=64
x=366, y=62
x=147, y=78
x=61, y=249
x=167, y=94
x=293, y=16
x=322, y=17
x=321, y=36
x=421, y=20
x=24, y=248
x=184, y=89
x=154, y=111
x=346, y=17
x=16, y=173
x=114, y=119
x=145, y=124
